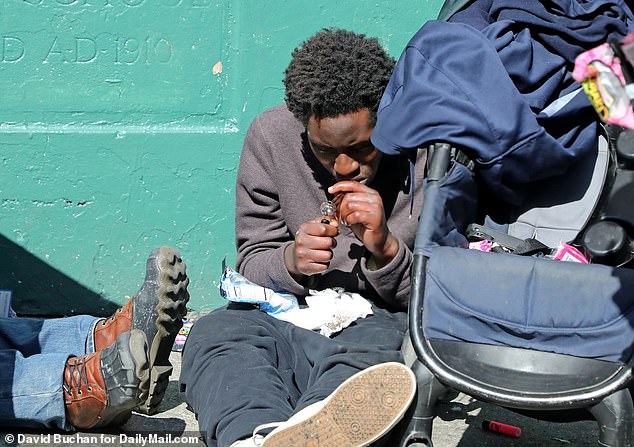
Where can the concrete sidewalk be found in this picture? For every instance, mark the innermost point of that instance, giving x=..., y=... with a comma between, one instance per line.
x=458, y=425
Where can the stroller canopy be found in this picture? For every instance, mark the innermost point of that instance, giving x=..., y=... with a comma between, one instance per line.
x=496, y=82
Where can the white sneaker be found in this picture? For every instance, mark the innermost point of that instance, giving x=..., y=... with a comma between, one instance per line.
x=254, y=441
x=361, y=410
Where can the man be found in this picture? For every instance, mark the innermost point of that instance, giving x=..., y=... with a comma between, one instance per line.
x=85, y=372
x=243, y=368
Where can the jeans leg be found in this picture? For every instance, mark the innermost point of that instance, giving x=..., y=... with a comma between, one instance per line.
x=31, y=393
x=32, y=336
x=33, y=355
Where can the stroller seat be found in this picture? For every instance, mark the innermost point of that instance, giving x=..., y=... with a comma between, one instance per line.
x=498, y=299
x=559, y=208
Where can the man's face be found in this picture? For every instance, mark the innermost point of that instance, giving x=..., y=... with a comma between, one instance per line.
x=342, y=145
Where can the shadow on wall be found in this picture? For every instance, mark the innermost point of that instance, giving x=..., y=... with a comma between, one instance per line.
x=41, y=290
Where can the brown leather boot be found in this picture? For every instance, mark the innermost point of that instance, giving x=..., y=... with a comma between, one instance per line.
x=103, y=388
x=157, y=309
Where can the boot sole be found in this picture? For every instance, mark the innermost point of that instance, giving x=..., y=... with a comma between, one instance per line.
x=361, y=410
x=172, y=297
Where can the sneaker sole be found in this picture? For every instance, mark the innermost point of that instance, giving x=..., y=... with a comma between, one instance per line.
x=361, y=410
x=172, y=297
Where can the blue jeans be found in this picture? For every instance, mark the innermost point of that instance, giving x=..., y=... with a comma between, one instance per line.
x=33, y=355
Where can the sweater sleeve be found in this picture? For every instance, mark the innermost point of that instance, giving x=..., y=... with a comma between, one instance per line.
x=261, y=232
x=392, y=281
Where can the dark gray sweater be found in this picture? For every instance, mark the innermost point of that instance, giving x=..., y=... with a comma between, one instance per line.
x=281, y=185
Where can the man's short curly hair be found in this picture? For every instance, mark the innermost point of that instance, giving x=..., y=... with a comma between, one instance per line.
x=336, y=72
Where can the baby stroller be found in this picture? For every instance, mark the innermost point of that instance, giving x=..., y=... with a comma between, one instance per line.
x=520, y=340
x=542, y=337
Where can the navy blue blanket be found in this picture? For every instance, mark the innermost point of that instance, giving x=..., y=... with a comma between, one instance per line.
x=496, y=82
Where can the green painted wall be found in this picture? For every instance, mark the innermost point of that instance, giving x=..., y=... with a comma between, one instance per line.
x=121, y=124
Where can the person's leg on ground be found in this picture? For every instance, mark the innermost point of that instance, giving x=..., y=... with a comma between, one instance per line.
x=58, y=390
x=357, y=388
x=367, y=342
x=237, y=373
x=33, y=354
x=242, y=368
x=32, y=336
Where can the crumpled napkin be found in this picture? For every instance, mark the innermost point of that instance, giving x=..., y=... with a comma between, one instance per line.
x=329, y=310
x=335, y=309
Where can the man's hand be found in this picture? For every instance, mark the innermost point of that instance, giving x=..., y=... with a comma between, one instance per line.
x=361, y=208
x=312, y=251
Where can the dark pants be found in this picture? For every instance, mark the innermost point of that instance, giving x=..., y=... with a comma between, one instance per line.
x=242, y=368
